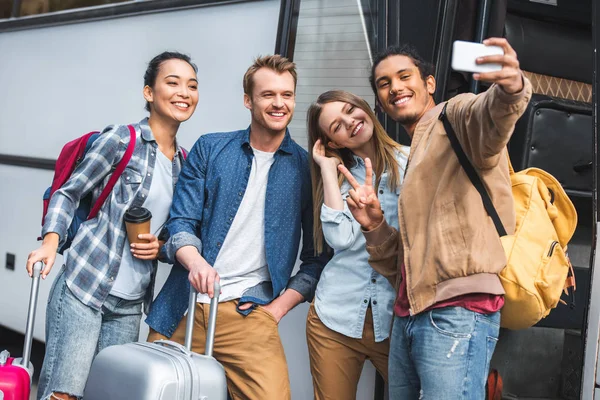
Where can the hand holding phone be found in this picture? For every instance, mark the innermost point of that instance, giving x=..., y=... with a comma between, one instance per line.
x=465, y=54
x=501, y=67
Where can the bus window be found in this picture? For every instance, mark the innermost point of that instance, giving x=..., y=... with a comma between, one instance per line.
x=5, y=8
x=14, y=13
x=26, y=8
x=32, y=7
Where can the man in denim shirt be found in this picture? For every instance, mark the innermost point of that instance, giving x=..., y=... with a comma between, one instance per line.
x=242, y=203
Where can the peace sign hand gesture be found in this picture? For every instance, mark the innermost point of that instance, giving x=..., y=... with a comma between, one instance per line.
x=362, y=199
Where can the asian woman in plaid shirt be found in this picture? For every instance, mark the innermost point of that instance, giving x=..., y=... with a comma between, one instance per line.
x=96, y=299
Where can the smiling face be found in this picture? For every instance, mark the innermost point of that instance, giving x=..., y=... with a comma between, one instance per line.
x=402, y=92
x=345, y=125
x=272, y=101
x=174, y=95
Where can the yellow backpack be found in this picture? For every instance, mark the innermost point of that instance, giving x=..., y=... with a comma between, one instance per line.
x=538, y=269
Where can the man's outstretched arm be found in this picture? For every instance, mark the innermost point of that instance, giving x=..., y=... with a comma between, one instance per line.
x=485, y=123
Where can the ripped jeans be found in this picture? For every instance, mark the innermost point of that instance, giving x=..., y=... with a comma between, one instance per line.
x=75, y=333
x=442, y=354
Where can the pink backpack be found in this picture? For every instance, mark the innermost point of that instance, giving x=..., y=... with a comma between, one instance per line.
x=70, y=156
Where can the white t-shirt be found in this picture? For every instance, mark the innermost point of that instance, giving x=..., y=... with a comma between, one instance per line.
x=134, y=274
x=242, y=263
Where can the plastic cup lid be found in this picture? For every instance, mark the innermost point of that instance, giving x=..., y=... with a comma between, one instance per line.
x=137, y=214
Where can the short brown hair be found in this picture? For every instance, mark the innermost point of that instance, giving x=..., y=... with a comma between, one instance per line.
x=276, y=62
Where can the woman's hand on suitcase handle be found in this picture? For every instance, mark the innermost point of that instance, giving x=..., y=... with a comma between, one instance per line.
x=46, y=253
x=146, y=251
x=202, y=276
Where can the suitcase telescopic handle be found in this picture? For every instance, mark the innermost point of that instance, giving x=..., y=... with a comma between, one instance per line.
x=33, y=297
x=212, y=320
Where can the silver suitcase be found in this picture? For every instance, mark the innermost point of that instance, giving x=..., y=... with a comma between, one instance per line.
x=163, y=370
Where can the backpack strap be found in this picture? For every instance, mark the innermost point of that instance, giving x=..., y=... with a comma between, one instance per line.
x=472, y=173
x=115, y=175
x=70, y=155
x=570, y=283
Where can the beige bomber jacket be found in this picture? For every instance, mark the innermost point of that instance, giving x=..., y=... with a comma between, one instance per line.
x=447, y=241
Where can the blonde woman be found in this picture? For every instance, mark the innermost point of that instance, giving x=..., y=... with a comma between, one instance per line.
x=350, y=318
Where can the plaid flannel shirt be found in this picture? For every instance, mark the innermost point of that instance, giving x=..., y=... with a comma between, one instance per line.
x=92, y=262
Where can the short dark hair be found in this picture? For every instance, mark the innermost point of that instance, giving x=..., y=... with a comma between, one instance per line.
x=156, y=62
x=425, y=68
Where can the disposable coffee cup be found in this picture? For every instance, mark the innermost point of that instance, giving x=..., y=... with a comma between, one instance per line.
x=137, y=221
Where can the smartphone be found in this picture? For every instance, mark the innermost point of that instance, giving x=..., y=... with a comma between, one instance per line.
x=464, y=55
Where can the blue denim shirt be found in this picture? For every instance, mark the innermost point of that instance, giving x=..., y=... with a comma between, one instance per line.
x=210, y=189
x=348, y=283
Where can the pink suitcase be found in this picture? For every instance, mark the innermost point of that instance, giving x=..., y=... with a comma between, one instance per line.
x=16, y=373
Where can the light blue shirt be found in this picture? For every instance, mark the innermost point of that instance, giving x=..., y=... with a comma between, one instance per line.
x=348, y=283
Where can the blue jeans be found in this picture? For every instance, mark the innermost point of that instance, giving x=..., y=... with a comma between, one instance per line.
x=75, y=333
x=442, y=354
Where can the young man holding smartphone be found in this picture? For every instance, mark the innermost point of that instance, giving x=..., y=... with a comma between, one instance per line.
x=445, y=259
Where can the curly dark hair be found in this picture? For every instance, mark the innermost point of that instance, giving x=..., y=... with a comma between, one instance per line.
x=425, y=68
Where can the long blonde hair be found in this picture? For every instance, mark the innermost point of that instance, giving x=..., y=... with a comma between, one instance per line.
x=384, y=157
